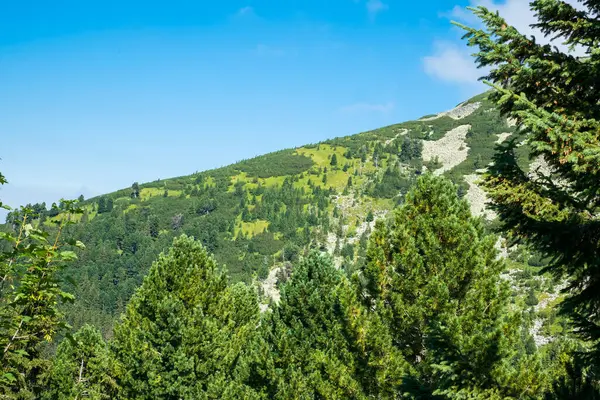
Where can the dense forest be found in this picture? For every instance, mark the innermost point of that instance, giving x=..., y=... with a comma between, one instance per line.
x=359, y=267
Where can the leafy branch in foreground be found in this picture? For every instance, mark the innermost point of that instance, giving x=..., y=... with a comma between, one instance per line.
x=30, y=294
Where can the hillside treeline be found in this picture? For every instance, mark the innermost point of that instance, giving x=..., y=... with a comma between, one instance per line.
x=425, y=312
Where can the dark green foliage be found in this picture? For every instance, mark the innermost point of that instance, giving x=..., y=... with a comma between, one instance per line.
x=265, y=244
x=135, y=190
x=291, y=252
x=481, y=140
x=122, y=244
x=531, y=299
x=393, y=183
x=554, y=99
x=322, y=344
x=434, y=278
x=82, y=368
x=347, y=251
x=333, y=161
x=185, y=331
x=33, y=211
x=410, y=149
x=153, y=226
x=105, y=204
x=280, y=163
x=578, y=382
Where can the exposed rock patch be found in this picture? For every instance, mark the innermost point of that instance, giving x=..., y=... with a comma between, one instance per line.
x=450, y=150
x=461, y=111
x=534, y=331
x=500, y=245
x=502, y=137
x=269, y=288
x=539, y=167
x=478, y=199
x=361, y=228
x=541, y=340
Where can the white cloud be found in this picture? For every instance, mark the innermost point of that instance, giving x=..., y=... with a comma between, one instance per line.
x=368, y=107
x=245, y=14
x=451, y=63
x=516, y=12
x=374, y=7
x=461, y=14
x=248, y=10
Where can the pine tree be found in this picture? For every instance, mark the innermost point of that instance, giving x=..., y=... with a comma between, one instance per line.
x=553, y=96
x=135, y=190
x=433, y=276
x=82, y=368
x=323, y=344
x=333, y=161
x=185, y=332
x=101, y=205
x=153, y=226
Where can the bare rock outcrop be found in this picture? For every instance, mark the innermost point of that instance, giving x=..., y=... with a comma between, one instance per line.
x=450, y=150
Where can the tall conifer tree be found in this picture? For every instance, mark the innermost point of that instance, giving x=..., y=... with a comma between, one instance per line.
x=434, y=277
x=322, y=344
x=554, y=96
x=185, y=332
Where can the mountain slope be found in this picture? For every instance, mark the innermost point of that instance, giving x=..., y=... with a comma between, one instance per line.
x=256, y=216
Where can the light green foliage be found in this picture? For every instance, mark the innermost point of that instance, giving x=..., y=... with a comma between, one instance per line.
x=323, y=344
x=82, y=368
x=250, y=229
x=185, y=332
x=554, y=98
x=433, y=276
x=147, y=193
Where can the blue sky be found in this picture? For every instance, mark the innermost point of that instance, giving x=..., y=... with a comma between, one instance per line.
x=98, y=94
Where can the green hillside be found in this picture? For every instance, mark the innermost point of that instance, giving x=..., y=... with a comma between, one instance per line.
x=362, y=267
x=257, y=214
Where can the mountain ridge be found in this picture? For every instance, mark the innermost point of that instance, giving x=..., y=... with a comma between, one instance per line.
x=258, y=215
